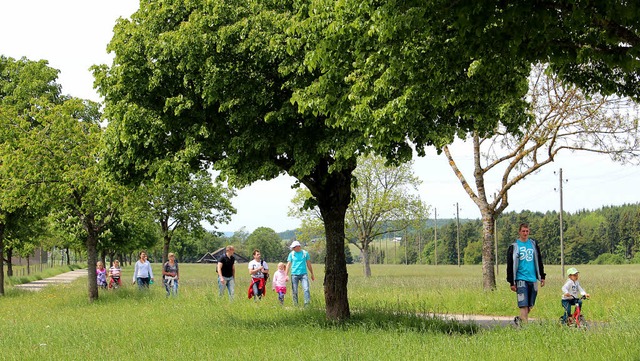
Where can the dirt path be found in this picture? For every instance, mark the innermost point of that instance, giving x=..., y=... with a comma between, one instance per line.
x=63, y=278
x=480, y=320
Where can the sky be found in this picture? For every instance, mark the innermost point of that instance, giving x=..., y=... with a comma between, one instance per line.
x=72, y=35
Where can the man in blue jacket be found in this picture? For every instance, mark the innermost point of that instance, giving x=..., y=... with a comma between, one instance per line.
x=524, y=270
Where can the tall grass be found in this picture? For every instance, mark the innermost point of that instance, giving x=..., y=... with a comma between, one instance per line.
x=59, y=323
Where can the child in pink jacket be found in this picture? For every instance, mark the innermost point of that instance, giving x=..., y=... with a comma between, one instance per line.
x=279, y=282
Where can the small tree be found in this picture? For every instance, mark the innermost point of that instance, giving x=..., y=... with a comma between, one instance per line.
x=382, y=204
x=563, y=119
x=185, y=203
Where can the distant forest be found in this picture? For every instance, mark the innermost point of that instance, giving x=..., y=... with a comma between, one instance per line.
x=609, y=235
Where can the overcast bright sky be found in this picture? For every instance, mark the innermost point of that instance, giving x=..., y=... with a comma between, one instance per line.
x=73, y=34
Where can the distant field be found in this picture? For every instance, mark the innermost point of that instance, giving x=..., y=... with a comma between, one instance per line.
x=60, y=324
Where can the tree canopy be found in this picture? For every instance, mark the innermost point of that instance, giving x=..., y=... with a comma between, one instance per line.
x=193, y=84
x=593, y=44
x=258, y=88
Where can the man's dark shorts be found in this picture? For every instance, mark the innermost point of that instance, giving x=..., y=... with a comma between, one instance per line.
x=527, y=293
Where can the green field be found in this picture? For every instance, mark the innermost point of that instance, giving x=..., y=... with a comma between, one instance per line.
x=59, y=323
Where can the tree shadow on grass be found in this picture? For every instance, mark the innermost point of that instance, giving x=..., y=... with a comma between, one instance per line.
x=403, y=321
x=363, y=321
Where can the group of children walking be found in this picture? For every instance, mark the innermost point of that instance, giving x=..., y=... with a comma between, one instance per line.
x=113, y=274
x=142, y=274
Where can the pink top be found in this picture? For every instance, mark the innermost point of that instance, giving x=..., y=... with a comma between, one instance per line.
x=279, y=279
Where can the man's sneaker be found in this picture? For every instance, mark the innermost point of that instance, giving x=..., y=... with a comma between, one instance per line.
x=517, y=321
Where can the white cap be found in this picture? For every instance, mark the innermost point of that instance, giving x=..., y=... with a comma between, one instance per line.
x=294, y=244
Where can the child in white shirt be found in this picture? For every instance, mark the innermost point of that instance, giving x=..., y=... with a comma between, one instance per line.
x=571, y=292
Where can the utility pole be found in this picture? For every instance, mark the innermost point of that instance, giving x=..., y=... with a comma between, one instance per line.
x=406, y=244
x=561, y=229
x=435, y=235
x=420, y=245
x=495, y=238
x=458, y=231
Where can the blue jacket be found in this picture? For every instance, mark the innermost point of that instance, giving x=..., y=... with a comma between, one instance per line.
x=513, y=260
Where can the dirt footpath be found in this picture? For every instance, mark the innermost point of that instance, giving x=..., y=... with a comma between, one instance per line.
x=59, y=279
x=480, y=320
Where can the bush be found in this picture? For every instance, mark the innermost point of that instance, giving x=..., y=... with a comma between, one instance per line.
x=473, y=253
x=609, y=258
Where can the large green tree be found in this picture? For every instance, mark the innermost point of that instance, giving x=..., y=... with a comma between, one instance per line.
x=211, y=83
x=25, y=87
x=259, y=88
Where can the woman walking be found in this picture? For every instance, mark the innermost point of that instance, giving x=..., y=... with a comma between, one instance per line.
x=142, y=273
x=170, y=275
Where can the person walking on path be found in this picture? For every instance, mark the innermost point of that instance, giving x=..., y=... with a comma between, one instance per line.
x=259, y=271
x=524, y=269
x=227, y=272
x=299, y=263
x=142, y=272
x=171, y=275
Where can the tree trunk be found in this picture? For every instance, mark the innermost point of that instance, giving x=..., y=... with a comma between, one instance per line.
x=336, y=277
x=333, y=193
x=488, y=274
x=103, y=257
x=92, y=259
x=9, y=264
x=165, y=248
x=68, y=256
x=366, y=258
x=2, y=258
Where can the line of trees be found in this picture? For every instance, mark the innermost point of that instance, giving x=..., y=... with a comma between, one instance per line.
x=609, y=235
x=55, y=191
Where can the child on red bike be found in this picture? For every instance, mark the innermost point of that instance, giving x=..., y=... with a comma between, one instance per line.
x=571, y=293
x=114, y=275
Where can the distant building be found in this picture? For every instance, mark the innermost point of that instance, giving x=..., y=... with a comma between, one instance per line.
x=213, y=257
x=39, y=256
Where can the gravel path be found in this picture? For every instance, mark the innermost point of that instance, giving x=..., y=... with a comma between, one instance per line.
x=59, y=279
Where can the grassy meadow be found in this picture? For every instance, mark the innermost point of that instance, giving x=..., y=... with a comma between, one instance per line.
x=386, y=324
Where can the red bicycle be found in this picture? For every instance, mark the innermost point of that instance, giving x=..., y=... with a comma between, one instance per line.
x=577, y=318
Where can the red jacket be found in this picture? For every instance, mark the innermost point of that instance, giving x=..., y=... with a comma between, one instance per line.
x=261, y=286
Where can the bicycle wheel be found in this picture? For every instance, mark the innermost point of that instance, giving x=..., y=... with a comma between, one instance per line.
x=571, y=321
x=582, y=322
